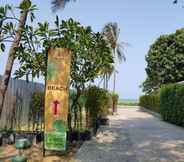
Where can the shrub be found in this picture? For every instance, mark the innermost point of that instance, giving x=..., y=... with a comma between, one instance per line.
x=36, y=109
x=172, y=103
x=97, y=103
x=37, y=101
x=151, y=101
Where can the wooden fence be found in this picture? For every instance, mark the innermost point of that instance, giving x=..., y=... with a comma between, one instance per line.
x=17, y=102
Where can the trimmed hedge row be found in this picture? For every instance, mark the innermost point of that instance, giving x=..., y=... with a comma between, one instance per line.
x=169, y=102
x=151, y=102
x=172, y=104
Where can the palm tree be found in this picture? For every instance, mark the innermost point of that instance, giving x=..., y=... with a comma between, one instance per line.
x=106, y=73
x=111, y=33
x=59, y=4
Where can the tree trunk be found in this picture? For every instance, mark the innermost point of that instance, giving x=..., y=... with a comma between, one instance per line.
x=80, y=116
x=114, y=82
x=87, y=118
x=114, y=85
x=106, y=81
x=69, y=121
x=76, y=109
x=1, y=24
x=11, y=58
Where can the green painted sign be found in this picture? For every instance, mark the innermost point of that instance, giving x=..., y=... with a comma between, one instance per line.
x=57, y=99
x=55, y=141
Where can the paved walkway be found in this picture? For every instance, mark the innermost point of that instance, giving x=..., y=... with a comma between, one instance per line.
x=135, y=136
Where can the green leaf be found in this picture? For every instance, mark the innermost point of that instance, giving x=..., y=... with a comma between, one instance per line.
x=25, y=4
x=32, y=16
x=57, y=21
x=2, y=46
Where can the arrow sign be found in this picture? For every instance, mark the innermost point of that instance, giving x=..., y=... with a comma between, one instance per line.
x=55, y=106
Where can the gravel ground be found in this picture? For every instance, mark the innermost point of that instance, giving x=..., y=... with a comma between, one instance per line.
x=134, y=136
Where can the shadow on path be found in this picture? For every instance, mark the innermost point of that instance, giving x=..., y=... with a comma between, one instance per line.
x=135, y=136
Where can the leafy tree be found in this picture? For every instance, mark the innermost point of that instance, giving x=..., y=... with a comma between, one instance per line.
x=111, y=33
x=165, y=61
x=90, y=53
x=3, y=17
x=10, y=30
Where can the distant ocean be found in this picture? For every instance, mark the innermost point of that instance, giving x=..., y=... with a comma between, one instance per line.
x=129, y=100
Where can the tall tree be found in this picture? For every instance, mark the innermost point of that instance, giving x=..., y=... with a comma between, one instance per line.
x=111, y=32
x=165, y=61
x=24, y=9
x=90, y=53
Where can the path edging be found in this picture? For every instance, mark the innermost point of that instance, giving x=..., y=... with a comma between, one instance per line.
x=157, y=115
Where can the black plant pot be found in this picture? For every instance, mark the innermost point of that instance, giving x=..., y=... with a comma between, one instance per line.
x=79, y=136
x=39, y=137
x=5, y=138
x=74, y=136
x=96, y=126
x=1, y=139
x=11, y=139
x=104, y=121
x=85, y=136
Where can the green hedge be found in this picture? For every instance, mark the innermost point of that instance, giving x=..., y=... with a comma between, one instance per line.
x=151, y=102
x=97, y=105
x=169, y=102
x=97, y=102
x=172, y=104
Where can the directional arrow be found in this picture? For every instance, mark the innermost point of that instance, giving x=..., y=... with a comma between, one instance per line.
x=55, y=106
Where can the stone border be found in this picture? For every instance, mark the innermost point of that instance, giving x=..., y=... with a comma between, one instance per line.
x=151, y=112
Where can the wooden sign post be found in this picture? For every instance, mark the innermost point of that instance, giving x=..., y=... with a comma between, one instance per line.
x=57, y=99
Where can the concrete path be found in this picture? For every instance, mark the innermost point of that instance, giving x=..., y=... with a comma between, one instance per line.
x=135, y=136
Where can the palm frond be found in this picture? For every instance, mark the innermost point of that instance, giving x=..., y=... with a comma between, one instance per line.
x=107, y=70
x=175, y=1
x=59, y=4
x=125, y=44
x=116, y=30
x=120, y=53
x=110, y=70
x=109, y=31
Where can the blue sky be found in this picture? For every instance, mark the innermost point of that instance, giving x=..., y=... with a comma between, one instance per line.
x=140, y=21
